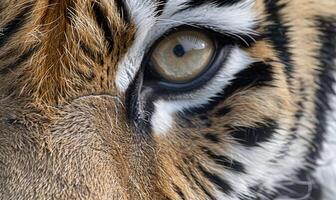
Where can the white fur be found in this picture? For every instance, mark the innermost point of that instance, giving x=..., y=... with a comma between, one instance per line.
x=141, y=12
x=232, y=20
x=326, y=172
x=162, y=119
x=238, y=18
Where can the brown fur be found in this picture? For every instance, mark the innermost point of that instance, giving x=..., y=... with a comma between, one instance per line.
x=60, y=138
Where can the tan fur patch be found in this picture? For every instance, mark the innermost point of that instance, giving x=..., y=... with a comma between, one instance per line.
x=62, y=138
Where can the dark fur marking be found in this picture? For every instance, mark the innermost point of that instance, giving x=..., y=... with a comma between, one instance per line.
x=25, y=56
x=277, y=32
x=187, y=122
x=139, y=112
x=223, y=111
x=327, y=27
x=10, y=120
x=14, y=25
x=219, y=3
x=93, y=55
x=203, y=122
x=253, y=136
x=179, y=192
x=189, y=162
x=305, y=188
x=89, y=77
x=260, y=191
x=221, y=184
x=225, y=161
x=104, y=24
x=258, y=74
x=212, y=137
x=122, y=9
x=206, y=192
x=293, y=131
x=160, y=7
x=187, y=177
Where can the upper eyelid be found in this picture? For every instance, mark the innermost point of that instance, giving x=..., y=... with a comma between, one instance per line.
x=239, y=39
x=244, y=34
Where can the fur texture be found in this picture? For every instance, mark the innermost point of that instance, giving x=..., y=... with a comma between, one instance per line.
x=80, y=120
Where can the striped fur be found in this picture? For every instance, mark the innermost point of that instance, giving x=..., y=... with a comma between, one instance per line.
x=79, y=120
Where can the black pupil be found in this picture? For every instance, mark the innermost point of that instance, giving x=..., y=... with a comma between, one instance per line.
x=179, y=50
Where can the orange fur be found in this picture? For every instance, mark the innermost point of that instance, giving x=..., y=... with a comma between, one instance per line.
x=85, y=148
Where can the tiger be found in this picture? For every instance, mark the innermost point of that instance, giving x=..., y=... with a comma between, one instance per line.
x=168, y=99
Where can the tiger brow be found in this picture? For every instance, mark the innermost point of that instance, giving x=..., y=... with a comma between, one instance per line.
x=244, y=38
x=123, y=11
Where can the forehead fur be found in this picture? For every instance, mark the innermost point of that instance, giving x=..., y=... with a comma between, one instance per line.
x=72, y=48
x=252, y=127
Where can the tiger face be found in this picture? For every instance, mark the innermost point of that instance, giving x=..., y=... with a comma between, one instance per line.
x=167, y=99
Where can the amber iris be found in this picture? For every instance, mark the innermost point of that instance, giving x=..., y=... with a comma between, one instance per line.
x=182, y=56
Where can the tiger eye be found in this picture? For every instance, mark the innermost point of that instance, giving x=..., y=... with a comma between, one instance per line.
x=183, y=56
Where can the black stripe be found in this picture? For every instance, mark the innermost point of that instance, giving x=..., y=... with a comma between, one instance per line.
x=122, y=9
x=93, y=55
x=104, y=24
x=277, y=32
x=14, y=25
x=221, y=184
x=305, y=187
x=212, y=137
x=20, y=60
x=178, y=191
x=9, y=53
x=69, y=12
x=226, y=162
x=165, y=197
x=293, y=135
x=253, y=136
x=206, y=192
x=183, y=172
x=88, y=76
x=223, y=111
x=204, y=120
x=259, y=74
x=160, y=7
x=326, y=79
x=219, y=3
x=260, y=191
x=190, y=162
